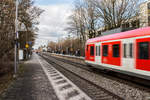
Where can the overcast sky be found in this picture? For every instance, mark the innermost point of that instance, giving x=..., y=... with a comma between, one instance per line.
x=53, y=20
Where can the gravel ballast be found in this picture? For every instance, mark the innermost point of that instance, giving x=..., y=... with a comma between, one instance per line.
x=120, y=88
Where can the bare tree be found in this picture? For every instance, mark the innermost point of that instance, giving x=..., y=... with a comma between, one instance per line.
x=52, y=45
x=90, y=15
x=28, y=15
x=84, y=20
x=113, y=13
x=66, y=46
x=7, y=19
x=92, y=20
x=77, y=23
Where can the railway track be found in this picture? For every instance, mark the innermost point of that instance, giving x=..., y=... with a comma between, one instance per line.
x=110, y=74
x=94, y=91
x=122, y=88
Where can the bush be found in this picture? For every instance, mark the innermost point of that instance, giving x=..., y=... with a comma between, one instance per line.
x=6, y=65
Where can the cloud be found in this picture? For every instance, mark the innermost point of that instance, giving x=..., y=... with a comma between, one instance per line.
x=47, y=2
x=52, y=23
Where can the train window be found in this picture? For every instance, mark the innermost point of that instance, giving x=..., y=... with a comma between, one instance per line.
x=96, y=50
x=99, y=50
x=143, y=50
x=92, y=51
x=116, y=50
x=125, y=47
x=131, y=50
x=105, y=50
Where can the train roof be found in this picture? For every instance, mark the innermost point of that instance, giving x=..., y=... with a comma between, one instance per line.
x=128, y=34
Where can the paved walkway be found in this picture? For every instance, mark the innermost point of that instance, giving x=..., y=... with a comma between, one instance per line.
x=33, y=85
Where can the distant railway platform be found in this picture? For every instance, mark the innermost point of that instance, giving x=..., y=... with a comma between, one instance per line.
x=78, y=59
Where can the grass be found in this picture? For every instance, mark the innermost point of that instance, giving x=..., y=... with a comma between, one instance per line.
x=21, y=69
x=7, y=79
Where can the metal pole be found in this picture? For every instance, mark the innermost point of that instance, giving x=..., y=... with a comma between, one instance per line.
x=16, y=37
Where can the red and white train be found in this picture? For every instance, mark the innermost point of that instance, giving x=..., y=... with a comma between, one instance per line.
x=125, y=52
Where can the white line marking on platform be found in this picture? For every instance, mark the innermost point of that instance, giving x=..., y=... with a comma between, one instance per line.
x=70, y=93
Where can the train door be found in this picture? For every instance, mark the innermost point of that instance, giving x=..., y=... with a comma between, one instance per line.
x=128, y=58
x=87, y=52
x=143, y=54
x=111, y=53
x=90, y=52
x=98, y=53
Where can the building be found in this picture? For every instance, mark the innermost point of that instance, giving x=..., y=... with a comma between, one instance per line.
x=143, y=20
x=145, y=14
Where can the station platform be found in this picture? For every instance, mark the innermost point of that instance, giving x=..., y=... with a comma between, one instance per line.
x=32, y=85
x=77, y=59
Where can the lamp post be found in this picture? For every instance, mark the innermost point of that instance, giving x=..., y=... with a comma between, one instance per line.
x=16, y=37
